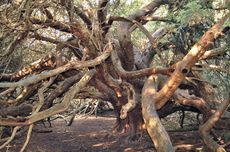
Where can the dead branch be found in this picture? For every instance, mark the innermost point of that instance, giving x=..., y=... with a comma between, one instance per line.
x=27, y=92
x=27, y=137
x=61, y=89
x=37, y=107
x=63, y=106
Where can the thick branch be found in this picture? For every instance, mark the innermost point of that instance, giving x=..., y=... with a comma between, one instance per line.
x=52, y=23
x=71, y=65
x=24, y=109
x=183, y=66
x=47, y=61
x=62, y=88
x=208, y=125
x=139, y=73
x=153, y=124
x=82, y=15
x=58, y=108
x=182, y=97
x=124, y=35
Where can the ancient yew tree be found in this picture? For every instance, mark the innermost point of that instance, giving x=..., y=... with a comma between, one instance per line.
x=148, y=60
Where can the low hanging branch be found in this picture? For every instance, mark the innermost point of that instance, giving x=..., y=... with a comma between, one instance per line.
x=71, y=65
x=46, y=62
x=63, y=106
x=36, y=109
x=61, y=89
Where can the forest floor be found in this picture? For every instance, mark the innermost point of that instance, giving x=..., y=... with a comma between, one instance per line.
x=94, y=135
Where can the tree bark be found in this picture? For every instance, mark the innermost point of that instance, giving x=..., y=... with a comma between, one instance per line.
x=152, y=121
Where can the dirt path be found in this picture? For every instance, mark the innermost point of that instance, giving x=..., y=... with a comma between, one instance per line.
x=94, y=135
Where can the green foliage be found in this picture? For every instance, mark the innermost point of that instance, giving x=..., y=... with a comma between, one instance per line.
x=194, y=12
x=126, y=7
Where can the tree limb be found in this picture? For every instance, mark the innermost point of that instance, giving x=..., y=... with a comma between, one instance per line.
x=139, y=73
x=153, y=124
x=209, y=124
x=71, y=65
x=182, y=67
x=63, y=106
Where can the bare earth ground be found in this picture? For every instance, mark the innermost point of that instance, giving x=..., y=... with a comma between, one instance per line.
x=94, y=135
